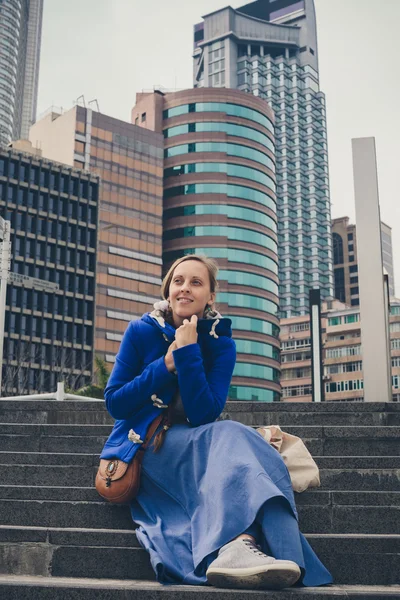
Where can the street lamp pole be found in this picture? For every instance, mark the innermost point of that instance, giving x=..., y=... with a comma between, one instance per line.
x=5, y=231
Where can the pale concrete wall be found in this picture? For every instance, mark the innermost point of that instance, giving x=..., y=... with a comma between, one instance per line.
x=55, y=136
x=374, y=330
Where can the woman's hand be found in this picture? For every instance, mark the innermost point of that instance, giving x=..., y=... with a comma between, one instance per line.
x=169, y=359
x=187, y=333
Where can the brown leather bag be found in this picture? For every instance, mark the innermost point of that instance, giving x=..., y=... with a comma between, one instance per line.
x=118, y=481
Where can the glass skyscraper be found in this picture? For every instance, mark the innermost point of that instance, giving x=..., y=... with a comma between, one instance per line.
x=20, y=37
x=269, y=48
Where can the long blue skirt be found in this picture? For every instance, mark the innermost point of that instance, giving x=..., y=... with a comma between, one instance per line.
x=209, y=484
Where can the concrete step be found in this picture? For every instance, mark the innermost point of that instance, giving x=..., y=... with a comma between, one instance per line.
x=321, y=440
x=81, y=475
x=69, y=458
x=359, y=559
x=313, y=518
x=250, y=413
x=310, y=498
x=63, y=588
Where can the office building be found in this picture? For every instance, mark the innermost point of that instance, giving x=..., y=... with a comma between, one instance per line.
x=344, y=235
x=129, y=160
x=268, y=48
x=341, y=354
x=219, y=200
x=53, y=209
x=20, y=39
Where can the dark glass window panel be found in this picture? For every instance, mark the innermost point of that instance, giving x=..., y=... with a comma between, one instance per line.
x=337, y=249
x=339, y=284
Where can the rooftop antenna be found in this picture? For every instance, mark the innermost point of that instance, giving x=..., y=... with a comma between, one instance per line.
x=97, y=104
x=81, y=98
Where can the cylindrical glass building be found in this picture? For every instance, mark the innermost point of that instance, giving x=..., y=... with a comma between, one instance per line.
x=219, y=200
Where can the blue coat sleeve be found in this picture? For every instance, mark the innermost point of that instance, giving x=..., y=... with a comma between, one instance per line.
x=204, y=394
x=128, y=388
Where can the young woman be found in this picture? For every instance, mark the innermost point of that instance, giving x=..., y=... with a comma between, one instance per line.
x=216, y=503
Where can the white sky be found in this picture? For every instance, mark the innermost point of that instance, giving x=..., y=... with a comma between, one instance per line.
x=111, y=49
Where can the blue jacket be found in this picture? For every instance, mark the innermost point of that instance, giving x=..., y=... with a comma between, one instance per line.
x=140, y=382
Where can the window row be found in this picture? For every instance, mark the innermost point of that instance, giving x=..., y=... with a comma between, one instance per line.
x=344, y=319
x=256, y=348
x=227, y=168
x=32, y=326
x=254, y=325
x=231, y=211
x=295, y=357
x=250, y=279
x=252, y=394
x=18, y=381
x=341, y=352
x=232, y=233
x=300, y=373
x=256, y=371
x=46, y=252
x=231, y=254
x=349, y=367
x=227, y=128
x=293, y=344
x=248, y=301
x=69, y=282
x=57, y=304
x=226, y=148
x=52, y=180
x=59, y=230
x=300, y=390
x=45, y=202
x=231, y=190
x=234, y=110
x=344, y=386
x=55, y=356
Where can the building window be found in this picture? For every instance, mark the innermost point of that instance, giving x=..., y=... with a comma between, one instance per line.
x=340, y=293
x=349, y=236
x=337, y=249
x=354, y=291
x=143, y=117
x=354, y=318
x=334, y=321
x=353, y=269
x=351, y=247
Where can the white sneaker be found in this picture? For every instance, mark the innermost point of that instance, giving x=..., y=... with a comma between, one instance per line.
x=241, y=564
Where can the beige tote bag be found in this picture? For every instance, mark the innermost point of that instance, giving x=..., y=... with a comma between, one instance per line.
x=302, y=468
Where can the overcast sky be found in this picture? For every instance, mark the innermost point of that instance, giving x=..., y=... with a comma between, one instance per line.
x=111, y=49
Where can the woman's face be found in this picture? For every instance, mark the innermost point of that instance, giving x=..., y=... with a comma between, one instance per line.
x=189, y=291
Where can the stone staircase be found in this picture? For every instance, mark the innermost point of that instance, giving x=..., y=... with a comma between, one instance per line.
x=59, y=540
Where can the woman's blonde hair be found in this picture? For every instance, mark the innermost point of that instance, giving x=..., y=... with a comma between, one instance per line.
x=210, y=263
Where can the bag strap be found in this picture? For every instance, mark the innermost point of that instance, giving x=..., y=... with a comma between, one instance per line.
x=150, y=432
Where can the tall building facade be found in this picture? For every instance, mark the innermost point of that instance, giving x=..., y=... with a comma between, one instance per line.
x=342, y=354
x=219, y=200
x=20, y=39
x=269, y=48
x=345, y=264
x=129, y=161
x=53, y=209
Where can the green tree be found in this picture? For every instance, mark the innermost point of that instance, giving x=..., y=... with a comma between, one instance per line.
x=96, y=388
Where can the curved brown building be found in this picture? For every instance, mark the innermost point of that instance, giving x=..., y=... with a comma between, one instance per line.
x=219, y=200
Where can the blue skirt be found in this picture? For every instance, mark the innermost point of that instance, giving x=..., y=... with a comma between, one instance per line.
x=209, y=484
